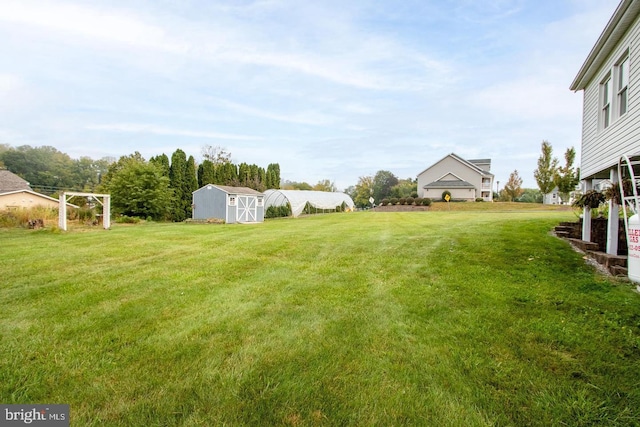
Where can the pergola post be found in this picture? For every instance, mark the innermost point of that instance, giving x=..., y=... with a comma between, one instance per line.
x=106, y=208
x=62, y=212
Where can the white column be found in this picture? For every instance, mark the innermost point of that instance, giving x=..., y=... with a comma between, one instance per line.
x=586, y=215
x=106, y=212
x=62, y=212
x=613, y=223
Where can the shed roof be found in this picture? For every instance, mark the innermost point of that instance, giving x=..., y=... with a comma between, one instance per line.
x=233, y=190
x=9, y=181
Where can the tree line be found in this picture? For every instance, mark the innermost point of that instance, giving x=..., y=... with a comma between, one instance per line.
x=160, y=188
x=382, y=185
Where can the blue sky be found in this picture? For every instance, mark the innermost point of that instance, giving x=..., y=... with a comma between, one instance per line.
x=328, y=89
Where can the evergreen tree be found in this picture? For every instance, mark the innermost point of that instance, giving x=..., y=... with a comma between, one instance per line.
x=206, y=173
x=191, y=184
x=273, y=176
x=163, y=162
x=178, y=182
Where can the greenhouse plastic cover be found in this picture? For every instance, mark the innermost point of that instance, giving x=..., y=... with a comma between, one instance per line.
x=299, y=198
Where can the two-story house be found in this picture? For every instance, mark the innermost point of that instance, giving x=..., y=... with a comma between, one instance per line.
x=464, y=179
x=609, y=79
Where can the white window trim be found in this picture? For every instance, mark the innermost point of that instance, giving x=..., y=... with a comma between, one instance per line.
x=604, y=102
x=624, y=59
x=612, y=108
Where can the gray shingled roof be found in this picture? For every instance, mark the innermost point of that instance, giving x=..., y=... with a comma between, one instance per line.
x=237, y=190
x=11, y=182
x=449, y=184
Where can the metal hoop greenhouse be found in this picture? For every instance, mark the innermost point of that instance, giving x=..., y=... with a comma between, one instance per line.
x=299, y=199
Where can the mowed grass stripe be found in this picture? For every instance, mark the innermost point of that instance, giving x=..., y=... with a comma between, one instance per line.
x=430, y=318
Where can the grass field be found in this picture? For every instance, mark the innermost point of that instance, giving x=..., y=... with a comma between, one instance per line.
x=429, y=318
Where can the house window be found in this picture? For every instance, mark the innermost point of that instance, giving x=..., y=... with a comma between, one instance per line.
x=623, y=85
x=614, y=92
x=232, y=201
x=605, y=103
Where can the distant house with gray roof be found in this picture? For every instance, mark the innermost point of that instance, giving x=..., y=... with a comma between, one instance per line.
x=465, y=179
x=9, y=181
x=15, y=193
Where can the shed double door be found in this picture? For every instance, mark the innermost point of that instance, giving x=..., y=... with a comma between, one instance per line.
x=247, y=209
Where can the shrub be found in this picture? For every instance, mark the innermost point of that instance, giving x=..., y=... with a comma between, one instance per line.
x=278, y=211
x=124, y=219
x=426, y=201
x=402, y=201
x=479, y=199
x=394, y=201
x=414, y=195
x=446, y=193
x=86, y=214
x=21, y=217
x=409, y=200
x=384, y=202
x=417, y=201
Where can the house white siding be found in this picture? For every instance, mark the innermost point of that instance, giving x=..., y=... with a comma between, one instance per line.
x=602, y=147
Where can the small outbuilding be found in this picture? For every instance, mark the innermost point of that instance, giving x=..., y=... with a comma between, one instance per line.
x=231, y=204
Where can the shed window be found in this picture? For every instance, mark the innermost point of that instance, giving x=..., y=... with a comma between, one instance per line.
x=260, y=202
x=232, y=201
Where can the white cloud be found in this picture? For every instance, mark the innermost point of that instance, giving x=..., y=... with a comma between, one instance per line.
x=161, y=130
x=79, y=20
x=528, y=98
x=306, y=118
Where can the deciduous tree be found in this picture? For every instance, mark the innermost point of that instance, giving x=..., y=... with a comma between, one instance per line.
x=140, y=189
x=216, y=154
x=567, y=177
x=363, y=191
x=383, y=181
x=513, y=188
x=547, y=169
x=325, y=185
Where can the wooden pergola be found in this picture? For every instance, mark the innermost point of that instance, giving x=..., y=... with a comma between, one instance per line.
x=106, y=207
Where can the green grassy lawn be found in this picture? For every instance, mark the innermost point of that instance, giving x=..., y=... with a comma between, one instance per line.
x=427, y=318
